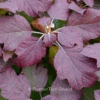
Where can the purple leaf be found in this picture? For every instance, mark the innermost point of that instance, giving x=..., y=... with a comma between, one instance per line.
x=37, y=77
x=59, y=10
x=97, y=94
x=62, y=90
x=78, y=69
x=50, y=97
x=89, y=2
x=10, y=6
x=87, y=24
x=13, y=30
x=69, y=38
x=74, y=7
x=32, y=7
x=30, y=52
x=14, y=87
x=93, y=51
x=49, y=39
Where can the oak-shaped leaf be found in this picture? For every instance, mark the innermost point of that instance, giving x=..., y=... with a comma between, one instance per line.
x=61, y=90
x=31, y=7
x=59, y=10
x=13, y=30
x=30, y=52
x=97, y=94
x=14, y=87
x=37, y=76
x=93, y=51
x=87, y=24
x=75, y=67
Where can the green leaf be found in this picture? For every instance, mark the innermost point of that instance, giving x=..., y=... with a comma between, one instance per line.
x=59, y=23
x=88, y=93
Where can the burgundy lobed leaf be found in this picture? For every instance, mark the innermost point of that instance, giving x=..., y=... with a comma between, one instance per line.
x=87, y=24
x=59, y=10
x=14, y=87
x=30, y=52
x=32, y=7
x=97, y=94
x=49, y=39
x=13, y=30
x=37, y=76
x=69, y=38
x=92, y=51
x=77, y=68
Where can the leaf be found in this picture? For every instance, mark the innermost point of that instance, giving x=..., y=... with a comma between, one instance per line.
x=30, y=52
x=92, y=51
x=37, y=77
x=5, y=65
x=49, y=39
x=31, y=7
x=64, y=90
x=87, y=24
x=97, y=94
x=88, y=93
x=59, y=10
x=61, y=90
x=52, y=52
x=9, y=6
x=78, y=69
x=74, y=7
x=50, y=97
x=89, y=2
x=69, y=38
x=14, y=87
x=13, y=31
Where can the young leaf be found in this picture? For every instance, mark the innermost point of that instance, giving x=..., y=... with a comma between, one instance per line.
x=13, y=31
x=30, y=52
x=14, y=87
x=78, y=69
x=49, y=39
